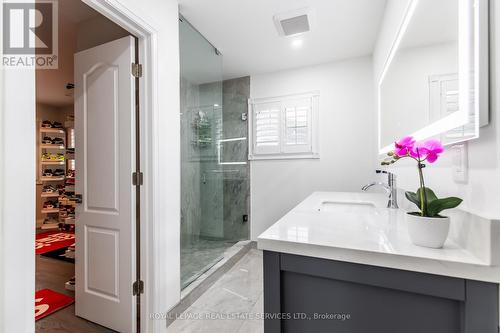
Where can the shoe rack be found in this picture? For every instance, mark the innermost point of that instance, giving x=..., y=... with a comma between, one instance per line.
x=68, y=201
x=57, y=199
x=51, y=158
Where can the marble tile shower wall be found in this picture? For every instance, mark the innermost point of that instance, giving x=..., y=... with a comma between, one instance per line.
x=236, y=93
x=215, y=197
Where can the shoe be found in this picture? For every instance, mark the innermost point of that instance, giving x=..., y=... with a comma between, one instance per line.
x=57, y=141
x=70, y=173
x=58, y=172
x=60, y=188
x=49, y=189
x=59, y=157
x=50, y=220
x=57, y=124
x=47, y=140
x=50, y=223
x=48, y=205
x=46, y=124
x=46, y=157
x=47, y=173
x=70, y=285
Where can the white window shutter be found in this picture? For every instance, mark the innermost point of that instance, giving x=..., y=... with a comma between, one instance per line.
x=443, y=95
x=449, y=93
x=266, y=128
x=297, y=125
x=284, y=127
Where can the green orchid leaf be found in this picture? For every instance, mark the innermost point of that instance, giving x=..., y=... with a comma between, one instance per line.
x=430, y=195
x=413, y=197
x=437, y=206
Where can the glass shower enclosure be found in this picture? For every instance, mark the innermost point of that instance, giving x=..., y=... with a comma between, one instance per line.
x=205, y=175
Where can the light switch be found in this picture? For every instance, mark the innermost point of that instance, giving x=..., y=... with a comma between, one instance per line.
x=460, y=162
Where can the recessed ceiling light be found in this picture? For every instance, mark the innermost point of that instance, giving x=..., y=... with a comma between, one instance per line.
x=297, y=43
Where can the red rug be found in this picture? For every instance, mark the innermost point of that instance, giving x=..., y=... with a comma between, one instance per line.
x=53, y=240
x=48, y=302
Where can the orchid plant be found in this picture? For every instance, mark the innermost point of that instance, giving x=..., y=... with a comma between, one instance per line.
x=423, y=151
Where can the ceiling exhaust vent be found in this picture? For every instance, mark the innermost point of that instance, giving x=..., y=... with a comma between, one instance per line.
x=294, y=22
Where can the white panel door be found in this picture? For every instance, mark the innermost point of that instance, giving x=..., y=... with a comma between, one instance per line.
x=105, y=160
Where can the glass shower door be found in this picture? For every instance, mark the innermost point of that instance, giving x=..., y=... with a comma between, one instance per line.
x=202, y=186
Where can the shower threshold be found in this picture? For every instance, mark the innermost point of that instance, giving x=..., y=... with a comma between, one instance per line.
x=195, y=276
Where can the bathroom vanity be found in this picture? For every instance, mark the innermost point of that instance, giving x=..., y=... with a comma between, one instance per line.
x=343, y=262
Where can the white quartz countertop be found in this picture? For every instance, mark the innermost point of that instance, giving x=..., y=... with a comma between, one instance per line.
x=364, y=231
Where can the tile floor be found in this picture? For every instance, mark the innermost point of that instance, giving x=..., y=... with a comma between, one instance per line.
x=232, y=305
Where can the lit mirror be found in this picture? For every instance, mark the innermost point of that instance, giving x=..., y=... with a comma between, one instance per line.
x=434, y=82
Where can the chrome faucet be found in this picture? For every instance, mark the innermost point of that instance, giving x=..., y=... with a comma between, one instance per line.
x=390, y=188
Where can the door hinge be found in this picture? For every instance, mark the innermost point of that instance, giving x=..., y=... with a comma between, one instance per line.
x=136, y=70
x=137, y=178
x=138, y=287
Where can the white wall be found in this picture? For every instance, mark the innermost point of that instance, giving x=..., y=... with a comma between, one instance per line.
x=346, y=133
x=96, y=31
x=482, y=192
x=51, y=83
x=17, y=180
x=17, y=282
x=2, y=261
x=18, y=215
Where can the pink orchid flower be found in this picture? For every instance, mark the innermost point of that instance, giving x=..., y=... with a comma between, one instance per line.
x=427, y=150
x=421, y=152
x=404, y=146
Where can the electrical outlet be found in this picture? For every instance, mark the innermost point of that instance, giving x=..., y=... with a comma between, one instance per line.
x=460, y=163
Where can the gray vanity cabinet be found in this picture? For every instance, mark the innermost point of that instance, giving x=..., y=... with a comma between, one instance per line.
x=305, y=294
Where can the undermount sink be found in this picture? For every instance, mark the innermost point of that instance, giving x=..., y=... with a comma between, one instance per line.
x=346, y=207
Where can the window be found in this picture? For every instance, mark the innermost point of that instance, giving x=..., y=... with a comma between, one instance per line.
x=284, y=127
x=443, y=91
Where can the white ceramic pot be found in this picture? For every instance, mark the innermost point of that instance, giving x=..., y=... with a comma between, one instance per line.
x=428, y=231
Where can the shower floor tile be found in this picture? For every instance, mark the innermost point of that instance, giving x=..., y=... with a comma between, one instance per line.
x=198, y=256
